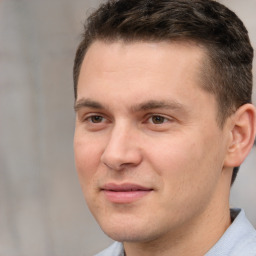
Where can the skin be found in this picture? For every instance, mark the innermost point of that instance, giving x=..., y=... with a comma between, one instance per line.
x=142, y=118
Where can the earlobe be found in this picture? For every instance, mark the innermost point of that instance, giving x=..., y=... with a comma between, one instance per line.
x=242, y=135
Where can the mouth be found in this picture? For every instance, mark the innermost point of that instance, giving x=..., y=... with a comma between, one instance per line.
x=124, y=193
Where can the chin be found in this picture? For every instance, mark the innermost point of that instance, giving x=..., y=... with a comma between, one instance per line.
x=129, y=231
x=127, y=235
x=119, y=229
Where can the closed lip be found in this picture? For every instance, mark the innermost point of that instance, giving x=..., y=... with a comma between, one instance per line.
x=125, y=187
x=125, y=193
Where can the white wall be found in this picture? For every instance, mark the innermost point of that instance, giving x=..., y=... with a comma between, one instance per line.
x=42, y=210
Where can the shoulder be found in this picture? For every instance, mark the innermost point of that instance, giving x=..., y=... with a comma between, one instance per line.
x=238, y=240
x=246, y=245
x=116, y=249
x=245, y=237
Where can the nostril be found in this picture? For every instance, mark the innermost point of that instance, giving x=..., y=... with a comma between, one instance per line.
x=121, y=151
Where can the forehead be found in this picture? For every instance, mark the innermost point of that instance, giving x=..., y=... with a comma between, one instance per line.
x=141, y=51
x=161, y=57
x=141, y=70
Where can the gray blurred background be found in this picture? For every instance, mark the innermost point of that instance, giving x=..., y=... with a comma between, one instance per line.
x=42, y=210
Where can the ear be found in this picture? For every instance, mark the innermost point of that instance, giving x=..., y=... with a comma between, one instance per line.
x=242, y=135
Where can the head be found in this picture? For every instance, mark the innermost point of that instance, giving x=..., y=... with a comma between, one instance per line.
x=227, y=72
x=163, y=91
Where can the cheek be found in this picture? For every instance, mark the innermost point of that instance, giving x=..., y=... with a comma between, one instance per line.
x=173, y=156
x=87, y=159
x=185, y=167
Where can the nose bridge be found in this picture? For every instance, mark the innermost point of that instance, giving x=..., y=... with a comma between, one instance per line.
x=122, y=147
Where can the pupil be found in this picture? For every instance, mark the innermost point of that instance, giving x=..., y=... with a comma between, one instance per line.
x=96, y=119
x=158, y=119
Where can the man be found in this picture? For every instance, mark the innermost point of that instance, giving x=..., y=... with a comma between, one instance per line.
x=164, y=119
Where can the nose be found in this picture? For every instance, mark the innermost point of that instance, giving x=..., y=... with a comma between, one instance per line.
x=122, y=149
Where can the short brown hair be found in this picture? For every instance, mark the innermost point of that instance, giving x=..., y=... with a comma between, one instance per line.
x=228, y=74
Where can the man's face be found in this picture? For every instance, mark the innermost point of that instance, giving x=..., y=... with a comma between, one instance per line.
x=148, y=150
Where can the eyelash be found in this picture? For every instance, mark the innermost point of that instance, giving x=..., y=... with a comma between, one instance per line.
x=90, y=118
x=161, y=119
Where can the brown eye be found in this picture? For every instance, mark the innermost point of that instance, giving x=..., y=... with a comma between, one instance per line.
x=96, y=119
x=158, y=119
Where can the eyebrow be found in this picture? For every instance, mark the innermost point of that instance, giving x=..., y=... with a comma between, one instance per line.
x=144, y=106
x=155, y=104
x=87, y=103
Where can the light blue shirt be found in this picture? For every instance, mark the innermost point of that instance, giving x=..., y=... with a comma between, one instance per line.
x=238, y=240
